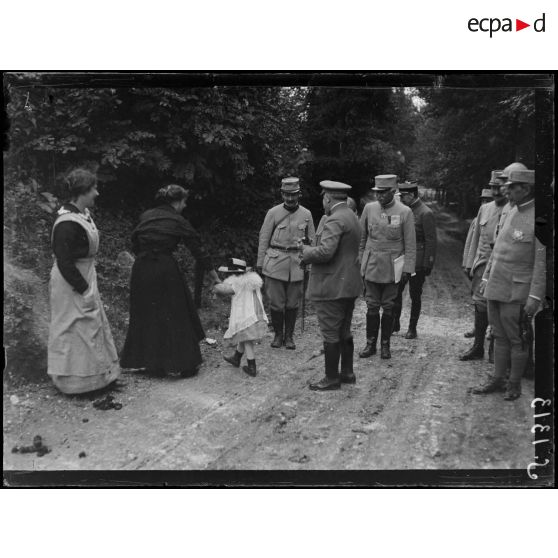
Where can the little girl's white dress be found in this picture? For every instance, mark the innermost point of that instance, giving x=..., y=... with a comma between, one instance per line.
x=248, y=321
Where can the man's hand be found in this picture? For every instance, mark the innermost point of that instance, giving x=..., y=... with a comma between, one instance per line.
x=482, y=286
x=531, y=307
x=405, y=276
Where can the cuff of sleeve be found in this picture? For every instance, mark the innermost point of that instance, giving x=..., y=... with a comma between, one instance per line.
x=535, y=297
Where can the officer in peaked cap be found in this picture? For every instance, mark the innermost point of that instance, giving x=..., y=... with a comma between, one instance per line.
x=514, y=284
x=480, y=248
x=335, y=282
x=425, y=233
x=278, y=259
x=387, y=233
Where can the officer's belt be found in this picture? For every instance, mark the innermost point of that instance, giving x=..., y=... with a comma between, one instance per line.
x=283, y=249
x=386, y=244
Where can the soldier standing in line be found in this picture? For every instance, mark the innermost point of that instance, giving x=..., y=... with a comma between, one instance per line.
x=479, y=253
x=387, y=232
x=425, y=233
x=278, y=259
x=514, y=285
x=335, y=283
x=485, y=197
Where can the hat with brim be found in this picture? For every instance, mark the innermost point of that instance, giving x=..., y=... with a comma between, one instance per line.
x=521, y=177
x=487, y=193
x=333, y=186
x=385, y=182
x=290, y=185
x=496, y=178
x=235, y=266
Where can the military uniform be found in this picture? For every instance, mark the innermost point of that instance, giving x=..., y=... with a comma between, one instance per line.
x=278, y=258
x=334, y=284
x=515, y=271
x=386, y=233
x=425, y=233
x=480, y=249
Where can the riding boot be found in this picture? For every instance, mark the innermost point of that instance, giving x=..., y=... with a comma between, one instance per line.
x=387, y=325
x=476, y=352
x=331, y=379
x=347, y=351
x=290, y=320
x=277, y=319
x=372, y=328
x=412, y=331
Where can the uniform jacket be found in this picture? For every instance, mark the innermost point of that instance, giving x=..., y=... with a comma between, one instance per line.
x=482, y=241
x=425, y=233
x=386, y=233
x=503, y=216
x=280, y=231
x=517, y=267
x=467, y=247
x=334, y=257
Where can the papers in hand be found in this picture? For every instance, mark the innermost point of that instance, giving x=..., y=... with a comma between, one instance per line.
x=398, y=264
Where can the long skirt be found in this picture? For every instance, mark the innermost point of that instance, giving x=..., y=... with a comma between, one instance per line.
x=81, y=352
x=165, y=329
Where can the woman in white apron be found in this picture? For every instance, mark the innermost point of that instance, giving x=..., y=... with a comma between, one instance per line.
x=81, y=352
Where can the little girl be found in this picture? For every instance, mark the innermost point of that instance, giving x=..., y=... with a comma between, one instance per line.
x=248, y=322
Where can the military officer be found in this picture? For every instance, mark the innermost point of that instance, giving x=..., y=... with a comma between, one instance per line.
x=425, y=233
x=278, y=259
x=387, y=232
x=479, y=253
x=335, y=282
x=514, y=284
x=485, y=197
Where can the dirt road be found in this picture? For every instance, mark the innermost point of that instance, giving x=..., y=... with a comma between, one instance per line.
x=411, y=412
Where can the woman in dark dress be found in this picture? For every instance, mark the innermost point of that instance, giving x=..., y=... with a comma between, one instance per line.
x=165, y=329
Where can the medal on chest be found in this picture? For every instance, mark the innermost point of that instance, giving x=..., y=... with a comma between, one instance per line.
x=517, y=235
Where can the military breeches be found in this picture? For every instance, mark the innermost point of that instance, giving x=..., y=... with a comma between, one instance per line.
x=416, y=283
x=334, y=318
x=282, y=294
x=510, y=351
x=380, y=295
x=478, y=298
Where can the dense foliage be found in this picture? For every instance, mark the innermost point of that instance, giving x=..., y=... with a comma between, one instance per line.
x=465, y=134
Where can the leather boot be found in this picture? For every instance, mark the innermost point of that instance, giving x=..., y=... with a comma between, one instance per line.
x=387, y=326
x=331, y=379
x=513, y=391
x=469, y=334
x=250, y=368
x=290, y=320
x=412, y=331
x=277, y=319
x=347, y=351
x=494, y=383
x=476, y=352
x=234, y=359
x=372, y=328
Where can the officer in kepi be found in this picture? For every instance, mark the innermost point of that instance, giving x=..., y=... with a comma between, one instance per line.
x=514, y=284
x=335, y=282
x=278, y=259
x=480, y=249
x=387, y=254
x=425, y=232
